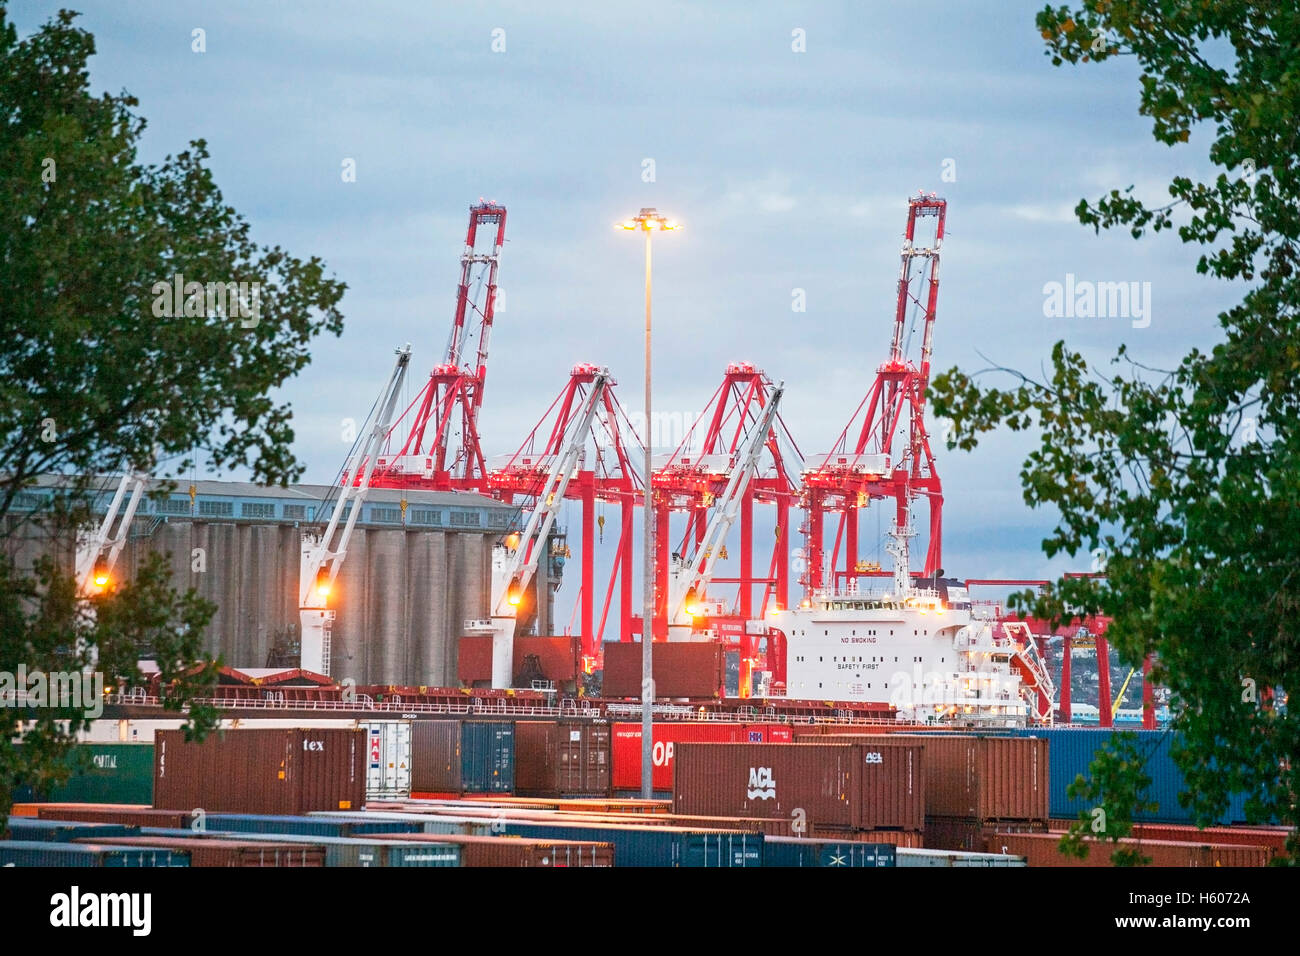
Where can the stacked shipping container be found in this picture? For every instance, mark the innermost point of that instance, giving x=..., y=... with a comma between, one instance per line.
x=260, y=771
x=849, y=786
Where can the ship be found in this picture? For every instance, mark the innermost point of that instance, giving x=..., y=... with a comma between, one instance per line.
x=929, y=653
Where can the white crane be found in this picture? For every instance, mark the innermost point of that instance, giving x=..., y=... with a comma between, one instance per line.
x=322, y=555
x=98, y=550
x=690, y=580
x=514, y=564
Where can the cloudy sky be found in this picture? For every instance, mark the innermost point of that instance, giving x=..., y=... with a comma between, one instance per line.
x=790, y=170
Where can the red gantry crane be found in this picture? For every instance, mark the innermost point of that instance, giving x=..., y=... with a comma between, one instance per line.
x=587, y=427
x=695, y=479
x=441, y=449
x=888, y=455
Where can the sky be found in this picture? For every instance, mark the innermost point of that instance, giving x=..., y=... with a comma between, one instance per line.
x=789, y=167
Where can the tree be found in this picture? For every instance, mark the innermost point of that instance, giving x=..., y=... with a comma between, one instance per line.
x=140, y=325
x=1188, y=478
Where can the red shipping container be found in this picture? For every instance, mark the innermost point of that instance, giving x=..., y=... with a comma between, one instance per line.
x=1040, y=849
x=690, y=669
x=126, y=816
x=261, y=771
x=848, y=786
x=626, y=747
x=769, y=733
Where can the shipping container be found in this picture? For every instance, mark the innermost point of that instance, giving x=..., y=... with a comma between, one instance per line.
x=794, y=851
x=626, y=747
x=985, y=778
x=101, y=773
x=1041, y=849
x=378, y=823
x=562, y=758
x=688, y=669
x=304, y=825
x=55, y=831
x=955, y=858
x=378, y=850
x=226, y=853
x=1272, y=837
x=510, y=851
x=1071, y=750
x=30, y=853
x=463, y=756
x=388, y=758
x=654, y=846
x=261, y=771
x=963, y=833
x=634, y=844
x=127, y=816
x=849, y=785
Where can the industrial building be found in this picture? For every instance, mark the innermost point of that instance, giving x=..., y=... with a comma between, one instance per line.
x=418, y=567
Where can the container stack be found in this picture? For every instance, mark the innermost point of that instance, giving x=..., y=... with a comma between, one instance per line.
x=977, y=785
x=871, y=790
x=455, y=757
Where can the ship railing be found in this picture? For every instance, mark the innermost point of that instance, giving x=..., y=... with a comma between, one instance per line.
x=362, y=702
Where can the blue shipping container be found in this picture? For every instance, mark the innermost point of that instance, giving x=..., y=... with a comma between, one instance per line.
x=795, y=851
x=1071, y=750
x=655, y=846
x=34, y=853
x=373, y=851
x=58, y=831
x=305, y=825
x=487, y=757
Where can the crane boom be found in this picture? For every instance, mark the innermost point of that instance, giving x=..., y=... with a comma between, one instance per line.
x=91, y=549
x=322, y=556
x=726, y=510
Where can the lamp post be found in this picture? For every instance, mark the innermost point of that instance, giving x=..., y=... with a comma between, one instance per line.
x=649, y=222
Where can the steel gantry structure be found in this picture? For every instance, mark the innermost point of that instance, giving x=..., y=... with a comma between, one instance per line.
x=438, y=432
x=888, y=454
x=588, y=427
x=696, y=477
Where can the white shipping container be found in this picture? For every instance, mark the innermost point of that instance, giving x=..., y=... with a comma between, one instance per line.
x=908, y=856
x=388, y=758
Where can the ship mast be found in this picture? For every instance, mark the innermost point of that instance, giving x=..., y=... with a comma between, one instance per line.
x=901, y=533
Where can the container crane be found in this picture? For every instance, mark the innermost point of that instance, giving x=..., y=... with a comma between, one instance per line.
x=888, y=455
x=689, y=580
x=323, y=552
x=514, y=562
x=438, y=432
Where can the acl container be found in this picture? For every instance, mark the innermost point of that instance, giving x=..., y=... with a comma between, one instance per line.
x=842, y=786
x=462, y=756
x=980, y=778
x=261, y=771
x=562, y=758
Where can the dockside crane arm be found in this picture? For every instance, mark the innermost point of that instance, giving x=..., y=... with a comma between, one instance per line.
x=513, y=576
x=98, y=551
x=726, y=510
x=323, y=553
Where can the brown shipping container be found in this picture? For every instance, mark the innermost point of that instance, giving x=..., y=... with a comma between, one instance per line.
x=562, y=758
x=964, y=833
x=685, y=669
x=843, y=786
x=1040, y=849
x=261, y=771
x=211, y=853
x=514, y=852
x=126, y=816
x=982, y=778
